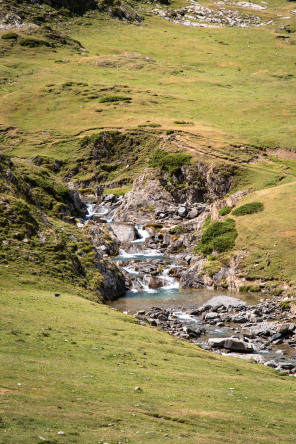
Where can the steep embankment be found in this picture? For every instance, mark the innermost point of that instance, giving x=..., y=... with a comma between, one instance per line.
x=39, y=234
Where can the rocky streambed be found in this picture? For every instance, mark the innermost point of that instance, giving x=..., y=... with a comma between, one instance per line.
x=166, y=289
x=227, y=325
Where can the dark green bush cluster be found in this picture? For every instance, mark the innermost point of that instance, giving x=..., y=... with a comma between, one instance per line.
x=31, y=42
x=9, y=36
x=249, y=208
x=219, y=236
x=224, y=211
x=115, y=99
x=169, y=162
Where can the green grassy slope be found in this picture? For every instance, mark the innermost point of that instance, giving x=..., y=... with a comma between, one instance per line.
x=237, y=83
x=270, y=236
x=70, y=365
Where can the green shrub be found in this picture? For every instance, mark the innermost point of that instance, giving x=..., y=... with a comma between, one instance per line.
x=285, y=306
x=244, y=288
x=254, y=289
x=182, y=122
x=168, y=132
x=249, y=288
x=224, y=284
x=31, y=42
x=249, y=208
x=169, y=162
x=111, y=99
x=9, y=36
x=218, y=236
x=277, y=292
x=224, y=211
x=177, y=230
x=150, y=125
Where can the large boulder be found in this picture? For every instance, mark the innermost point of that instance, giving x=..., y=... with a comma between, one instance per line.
x=232, y=344
x=124, y=232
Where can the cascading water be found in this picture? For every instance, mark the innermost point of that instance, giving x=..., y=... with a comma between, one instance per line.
x=149, y=274
x=171, y=282
x=143, y=234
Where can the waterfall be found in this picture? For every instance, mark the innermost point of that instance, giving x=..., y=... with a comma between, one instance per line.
x=143, y=234
x=171, y=282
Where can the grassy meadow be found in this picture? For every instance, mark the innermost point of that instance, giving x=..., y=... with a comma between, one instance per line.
x=234, y=84
x=70, y=369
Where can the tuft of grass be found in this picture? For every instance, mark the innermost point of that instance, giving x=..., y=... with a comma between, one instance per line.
x=177, y=230
x=120, y=191
x=249, y=208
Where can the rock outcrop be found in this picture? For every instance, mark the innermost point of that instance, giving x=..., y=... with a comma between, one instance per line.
x=184, y=195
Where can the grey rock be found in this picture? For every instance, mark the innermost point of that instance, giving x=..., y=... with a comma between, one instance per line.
x=182, y=211
x=124, y=232
x=232, y=344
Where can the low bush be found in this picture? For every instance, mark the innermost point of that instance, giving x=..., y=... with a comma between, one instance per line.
x=249, y=208
x=218, y=236
x=169, y=162
x=249, y=288
x=254, y=289
x=9, y=36
x=277, y=292
x=224, y=284
x=111, y=99
x=31, y=42
x=224, y=211
x=177, y=230
x=182, y=122
x=150, y=125
x=285, y=306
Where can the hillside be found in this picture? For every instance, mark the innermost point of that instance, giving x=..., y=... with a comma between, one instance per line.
x=174, y=120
